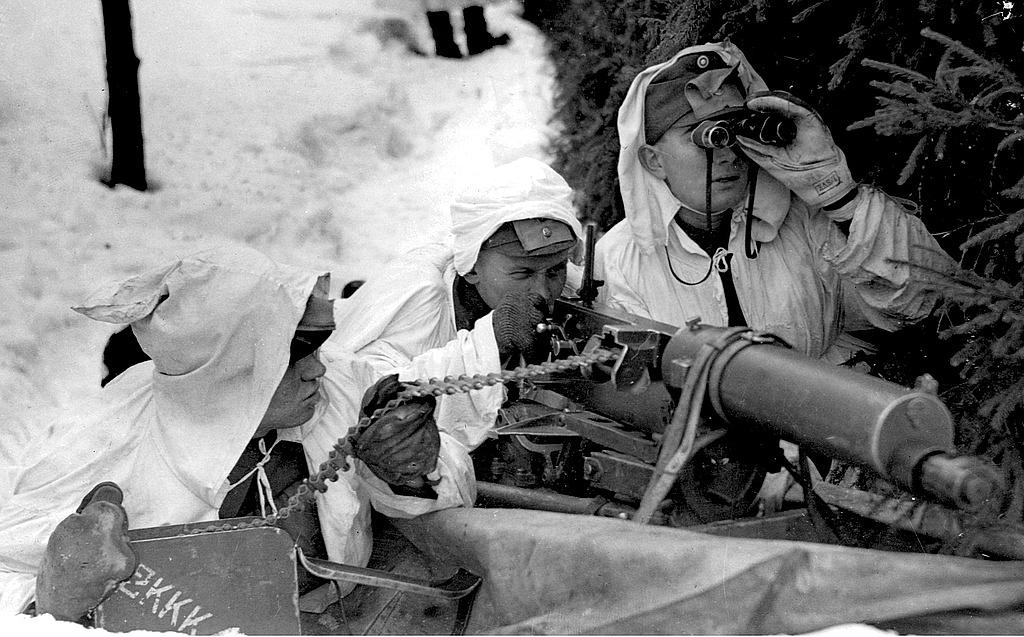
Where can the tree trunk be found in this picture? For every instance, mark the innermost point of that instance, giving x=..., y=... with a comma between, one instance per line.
x=128, y=166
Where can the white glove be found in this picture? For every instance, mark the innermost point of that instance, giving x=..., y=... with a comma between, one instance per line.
x=812, y=166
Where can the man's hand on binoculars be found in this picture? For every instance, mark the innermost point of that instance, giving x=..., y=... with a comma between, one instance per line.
x=812, y=166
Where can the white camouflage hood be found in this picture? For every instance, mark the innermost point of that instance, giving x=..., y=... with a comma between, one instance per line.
x=218, y=325
x=649, y=204
x=521, y=189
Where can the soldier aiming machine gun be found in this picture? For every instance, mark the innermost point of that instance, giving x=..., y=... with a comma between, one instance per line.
x=679, y=428
x=682, y=428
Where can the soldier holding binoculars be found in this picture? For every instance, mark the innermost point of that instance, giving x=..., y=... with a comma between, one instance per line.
x=740, y=209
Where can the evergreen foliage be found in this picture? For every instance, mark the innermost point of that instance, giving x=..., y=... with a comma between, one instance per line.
x=927, y=101
x=972, y=96
x=597, y=49
x=811, y=48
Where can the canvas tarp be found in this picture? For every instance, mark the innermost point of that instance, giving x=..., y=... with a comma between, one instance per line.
x=569, y=574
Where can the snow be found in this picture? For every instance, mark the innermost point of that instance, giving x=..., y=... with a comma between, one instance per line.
x=282, y=125
x=288, y=126
x=48, y=626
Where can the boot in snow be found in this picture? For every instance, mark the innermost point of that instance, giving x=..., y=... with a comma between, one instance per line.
x=444, y=38
x=478, y=39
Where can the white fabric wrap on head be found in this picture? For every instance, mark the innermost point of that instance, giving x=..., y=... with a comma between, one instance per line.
x=522, y=189
x=648, y=203
x=218, y=325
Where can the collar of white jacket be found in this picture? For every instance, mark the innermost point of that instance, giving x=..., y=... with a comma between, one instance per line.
x=648, y=203
x=522, y=189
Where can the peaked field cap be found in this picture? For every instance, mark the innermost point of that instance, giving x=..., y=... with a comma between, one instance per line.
x=319, y=314
x=695, y=87
x=522, y=190
x=531, y=237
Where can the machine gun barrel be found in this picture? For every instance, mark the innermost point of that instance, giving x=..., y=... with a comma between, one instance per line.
x=905, y=435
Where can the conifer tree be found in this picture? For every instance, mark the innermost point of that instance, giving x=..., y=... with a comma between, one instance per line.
x=949, y=125
x=970, y=97
x=811, y=48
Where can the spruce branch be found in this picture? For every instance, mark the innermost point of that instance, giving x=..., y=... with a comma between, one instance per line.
x=1009, y=140
x=1010, y=225
x=1000, y=409
x=1006, y=75
x=963, y=283
x=971, y=224
x=1015, y=191
x=912, y=160
x=958, y=96
x=899, y=72
x=809, y=10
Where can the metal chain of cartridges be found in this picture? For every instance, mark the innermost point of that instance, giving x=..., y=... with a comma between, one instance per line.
x=337, y=459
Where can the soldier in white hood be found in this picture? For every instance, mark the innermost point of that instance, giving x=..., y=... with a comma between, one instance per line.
x=235, y=341
x=475, y=300
x=776, y=236
x=740, y=232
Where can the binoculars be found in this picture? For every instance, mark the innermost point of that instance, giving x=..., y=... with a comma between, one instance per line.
x=767, y=128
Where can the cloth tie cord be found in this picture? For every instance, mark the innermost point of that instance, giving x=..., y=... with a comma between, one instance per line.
x=719, y=262
x=262, y=481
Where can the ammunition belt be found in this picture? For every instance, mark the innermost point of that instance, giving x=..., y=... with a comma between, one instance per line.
x=337, y=458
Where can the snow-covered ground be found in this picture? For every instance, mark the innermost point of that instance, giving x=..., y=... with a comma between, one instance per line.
x=285, y=125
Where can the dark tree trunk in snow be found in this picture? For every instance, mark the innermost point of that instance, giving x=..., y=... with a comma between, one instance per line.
x=128, y=166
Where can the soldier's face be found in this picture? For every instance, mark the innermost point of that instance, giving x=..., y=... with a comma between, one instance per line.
x=496, y=274
x=295, y=399
x=683, y=166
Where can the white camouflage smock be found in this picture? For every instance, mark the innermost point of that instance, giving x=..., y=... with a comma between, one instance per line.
x=169, y=440
x=408, y=310
x=795, y=286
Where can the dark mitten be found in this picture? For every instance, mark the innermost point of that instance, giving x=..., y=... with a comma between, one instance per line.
x=515, y=323
x=401, y=445
x=383, y=391
x=86, y=556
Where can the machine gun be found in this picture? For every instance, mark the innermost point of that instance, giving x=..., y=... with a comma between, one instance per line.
x=682, y=428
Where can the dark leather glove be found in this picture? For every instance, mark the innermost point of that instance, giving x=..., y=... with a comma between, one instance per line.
x=515, y=324
x=86, y=556
x=400, y=446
